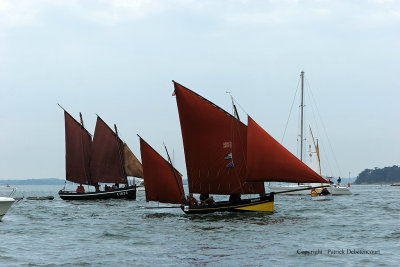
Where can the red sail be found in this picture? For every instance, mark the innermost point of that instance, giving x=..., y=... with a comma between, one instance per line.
x=77, y=151
x=106, y=165
x=159, y=178
x=267, y=160
x=215, y=147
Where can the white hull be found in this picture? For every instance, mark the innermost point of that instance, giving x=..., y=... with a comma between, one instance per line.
x=5, y=204
x=337, y=190
x=140, y=185
x=333, y=189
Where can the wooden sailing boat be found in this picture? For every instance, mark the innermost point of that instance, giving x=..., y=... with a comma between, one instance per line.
x=105, y=160
x=223, y=157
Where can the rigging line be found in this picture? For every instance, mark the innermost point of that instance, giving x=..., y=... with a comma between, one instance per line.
x=232, y=159
x=87, y=173
x=241, y=144
x=121, y=157
x=329, y=142
x=290, y=112
x=239, y=105
x=298, y=144
x=240, y=140
x=326, y=135
x=312, y=105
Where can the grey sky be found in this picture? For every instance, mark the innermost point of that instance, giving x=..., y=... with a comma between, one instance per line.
x=117, y=59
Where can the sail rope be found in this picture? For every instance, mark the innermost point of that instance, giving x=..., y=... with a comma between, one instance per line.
x=314, y=112
x=324, y=128
x=290, y=112
x=241, y=142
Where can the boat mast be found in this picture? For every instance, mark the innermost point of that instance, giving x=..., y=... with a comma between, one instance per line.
x=80, y=116
x=235, y=112
x=88, y=177
x=316, y=146
x=302, y=115
x=120, y=154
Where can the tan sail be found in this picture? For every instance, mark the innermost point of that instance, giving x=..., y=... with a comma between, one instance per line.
x=132, y=165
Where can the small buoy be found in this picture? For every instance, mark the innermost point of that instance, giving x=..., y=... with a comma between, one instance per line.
x=348, y=184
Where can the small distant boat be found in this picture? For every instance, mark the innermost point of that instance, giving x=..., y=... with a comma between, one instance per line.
x=318, y=194
x=41, y=198
x=395, y=184
x=334, y=189
x=6, y=203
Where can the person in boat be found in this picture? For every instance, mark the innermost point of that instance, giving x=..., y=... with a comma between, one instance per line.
x=107, y=188
x=80, y=189
x=339, y=180
x=329, y=181
x=97, y=187
x=234, y=198
x=203, y=198
x=209, y=201
x=115, y=186
x=324, y=192
x=314, y=193
x=191, y=200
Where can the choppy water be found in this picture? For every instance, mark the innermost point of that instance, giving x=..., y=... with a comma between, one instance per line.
x=124, y=233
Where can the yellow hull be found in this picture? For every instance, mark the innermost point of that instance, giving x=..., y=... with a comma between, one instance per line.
x=261, y=204
x=263, y=207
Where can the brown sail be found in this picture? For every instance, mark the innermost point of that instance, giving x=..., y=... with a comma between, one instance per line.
x=78, y=143
x=161, y=182
x=132, y=165
x=215, y=146
x=267, y=160
x=107, y=159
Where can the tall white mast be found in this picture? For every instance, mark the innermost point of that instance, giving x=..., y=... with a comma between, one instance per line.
x=301, y=111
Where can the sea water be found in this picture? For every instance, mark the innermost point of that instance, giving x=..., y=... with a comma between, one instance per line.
x=358, y=230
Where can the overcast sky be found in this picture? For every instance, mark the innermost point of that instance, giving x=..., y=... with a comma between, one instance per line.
x=117, y=58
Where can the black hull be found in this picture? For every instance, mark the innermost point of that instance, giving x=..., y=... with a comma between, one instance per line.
x=263, y=204
x=126, y=193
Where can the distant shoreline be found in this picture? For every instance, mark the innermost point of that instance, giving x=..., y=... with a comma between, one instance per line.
x=38, y=181
x=57, y=181
x=41, y=181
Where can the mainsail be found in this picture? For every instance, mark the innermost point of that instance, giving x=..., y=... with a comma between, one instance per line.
x=215, y=146
x=107, y=159
x=267, y=160
x=78, y=143
x=160, y=179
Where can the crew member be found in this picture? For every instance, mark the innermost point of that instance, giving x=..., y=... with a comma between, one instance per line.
x=314, y=193
x=191, y=200
x=209, y=201
x=80, y=189
x=203, y=198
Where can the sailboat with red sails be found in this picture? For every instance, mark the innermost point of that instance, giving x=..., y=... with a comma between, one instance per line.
x=106, y=159
x=223, y=157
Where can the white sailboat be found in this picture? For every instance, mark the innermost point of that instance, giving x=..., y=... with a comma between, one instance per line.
x=334, y=189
